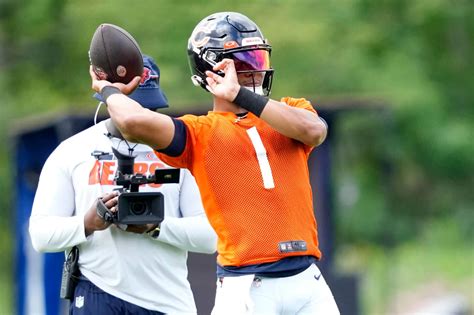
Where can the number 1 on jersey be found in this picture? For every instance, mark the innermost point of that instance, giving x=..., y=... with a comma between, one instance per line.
x=262, y=158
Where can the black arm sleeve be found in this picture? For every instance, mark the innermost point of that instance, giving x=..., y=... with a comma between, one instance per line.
x=178, y=143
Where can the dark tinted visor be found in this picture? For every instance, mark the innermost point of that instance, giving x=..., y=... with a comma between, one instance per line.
x=255, y=60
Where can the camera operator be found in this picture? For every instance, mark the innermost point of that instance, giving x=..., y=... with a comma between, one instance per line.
x=134, y=269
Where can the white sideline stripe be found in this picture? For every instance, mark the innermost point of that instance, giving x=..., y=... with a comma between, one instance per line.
x=262, y=158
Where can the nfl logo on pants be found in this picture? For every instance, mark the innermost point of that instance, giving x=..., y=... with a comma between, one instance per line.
x=79, y=301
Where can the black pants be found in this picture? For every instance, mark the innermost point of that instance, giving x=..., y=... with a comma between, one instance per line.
x=90, y=300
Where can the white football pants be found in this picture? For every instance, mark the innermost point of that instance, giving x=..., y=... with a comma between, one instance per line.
x=304, y=293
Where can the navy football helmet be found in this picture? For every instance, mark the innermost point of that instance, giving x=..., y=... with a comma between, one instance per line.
x=230, y=35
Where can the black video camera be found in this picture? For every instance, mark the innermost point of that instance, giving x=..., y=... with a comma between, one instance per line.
x=136, y=207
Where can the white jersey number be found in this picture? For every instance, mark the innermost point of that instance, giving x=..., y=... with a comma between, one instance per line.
x=262, y=158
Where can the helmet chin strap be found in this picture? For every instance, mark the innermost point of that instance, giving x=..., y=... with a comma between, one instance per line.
x=256, y=89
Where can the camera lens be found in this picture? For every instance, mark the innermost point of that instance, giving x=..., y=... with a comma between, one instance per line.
x=138, y=207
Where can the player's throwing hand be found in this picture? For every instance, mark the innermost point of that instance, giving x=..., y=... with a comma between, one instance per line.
x=98, y=84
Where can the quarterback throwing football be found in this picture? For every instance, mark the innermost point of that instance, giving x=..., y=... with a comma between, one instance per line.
x=240, y=153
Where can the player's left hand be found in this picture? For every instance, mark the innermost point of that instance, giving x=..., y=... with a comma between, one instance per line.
x=225, y=87
x=98, y=84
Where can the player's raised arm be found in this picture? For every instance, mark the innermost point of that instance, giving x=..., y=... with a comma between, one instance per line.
x=297, y=123
x=137, y=124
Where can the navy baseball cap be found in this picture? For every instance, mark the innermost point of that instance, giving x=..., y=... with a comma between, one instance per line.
x=148, y=93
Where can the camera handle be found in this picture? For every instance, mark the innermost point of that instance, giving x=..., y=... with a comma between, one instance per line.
x=104, y=212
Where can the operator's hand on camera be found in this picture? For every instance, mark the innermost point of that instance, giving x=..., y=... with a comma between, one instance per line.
x=140, y=229
x=98, y=84
x=92, y=221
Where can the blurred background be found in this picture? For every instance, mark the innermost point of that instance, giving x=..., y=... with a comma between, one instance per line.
x=397, y=74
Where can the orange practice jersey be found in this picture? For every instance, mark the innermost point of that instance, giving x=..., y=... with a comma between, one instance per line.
x=253, y=223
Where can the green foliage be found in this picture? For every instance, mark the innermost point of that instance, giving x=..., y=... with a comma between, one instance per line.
x=393, y=172
x=439, y=256
x=6, y=277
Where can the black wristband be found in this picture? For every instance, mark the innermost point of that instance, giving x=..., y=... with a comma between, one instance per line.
x=250, y=101
x=109, y=90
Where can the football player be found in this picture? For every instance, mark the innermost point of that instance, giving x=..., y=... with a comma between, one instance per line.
x=249, y=157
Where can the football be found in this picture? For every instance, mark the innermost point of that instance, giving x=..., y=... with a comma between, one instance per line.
x=115, y=55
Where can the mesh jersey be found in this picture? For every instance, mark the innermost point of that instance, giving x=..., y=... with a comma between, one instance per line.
x=250, y=220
